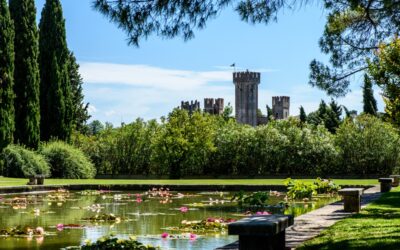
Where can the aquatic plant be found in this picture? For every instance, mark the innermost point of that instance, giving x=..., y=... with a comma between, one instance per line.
x=256, y=199
x=112, y=242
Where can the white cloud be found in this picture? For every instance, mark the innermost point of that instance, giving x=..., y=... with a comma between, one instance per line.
x=122, y=93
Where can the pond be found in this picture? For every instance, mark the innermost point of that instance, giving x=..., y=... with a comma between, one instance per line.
x=68, y=218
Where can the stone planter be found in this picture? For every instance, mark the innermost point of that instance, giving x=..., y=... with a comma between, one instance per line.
x=261, y=232
x=39, y=179
x=396, y=179
x=351, y=199
x=32, y=180
x=386, y=184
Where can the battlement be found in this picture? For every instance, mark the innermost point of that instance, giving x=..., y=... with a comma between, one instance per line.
x=281, y=101
x=214, y=106
x=191, y=106
x=246, y=76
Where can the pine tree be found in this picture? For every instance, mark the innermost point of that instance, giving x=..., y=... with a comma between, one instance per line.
x=26, y=73
x=80, y=113
x=369, y=101
x=7, y=114
x=55, y=88
x=303, y=116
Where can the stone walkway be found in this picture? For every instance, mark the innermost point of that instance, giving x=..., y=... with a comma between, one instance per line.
x=309, y=225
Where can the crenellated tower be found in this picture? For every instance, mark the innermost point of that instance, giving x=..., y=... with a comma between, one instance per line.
x=280, y=107
x=246, y=96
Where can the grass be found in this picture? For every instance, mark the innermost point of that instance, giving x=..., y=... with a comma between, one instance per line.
x=20, y=181
x=376, y=227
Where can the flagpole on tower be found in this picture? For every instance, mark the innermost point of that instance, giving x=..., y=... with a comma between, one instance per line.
x=234, y=67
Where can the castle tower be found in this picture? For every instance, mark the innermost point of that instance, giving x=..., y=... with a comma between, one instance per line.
x=190, y=106
x=280, y=107
x=246, y=96
x=214, y=106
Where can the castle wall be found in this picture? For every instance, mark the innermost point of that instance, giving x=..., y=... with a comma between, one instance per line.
x=280, y=107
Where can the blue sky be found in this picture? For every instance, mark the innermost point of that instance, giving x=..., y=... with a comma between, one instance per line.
x=123, y=82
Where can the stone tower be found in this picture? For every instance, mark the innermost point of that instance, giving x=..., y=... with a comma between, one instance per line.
x=280, y=107
x=214, y=106
x=246, y=96
x=190, y=106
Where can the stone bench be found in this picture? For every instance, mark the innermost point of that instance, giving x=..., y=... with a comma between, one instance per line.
x=351, y=199
x=386, y=184
x=396, y=179
x=265, y=232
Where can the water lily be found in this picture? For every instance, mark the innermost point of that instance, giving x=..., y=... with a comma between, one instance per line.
x=139, y=200
x=183, y=209
x=192, y=236
x=39, y=230
x=263, y=213
x=164, y=235
x=60, y=227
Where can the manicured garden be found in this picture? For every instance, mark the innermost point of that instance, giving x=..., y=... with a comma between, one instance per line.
x=5, y=181
x=376, y=227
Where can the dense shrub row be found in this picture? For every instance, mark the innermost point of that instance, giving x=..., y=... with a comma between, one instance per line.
x=200, y=144
x=55, y=159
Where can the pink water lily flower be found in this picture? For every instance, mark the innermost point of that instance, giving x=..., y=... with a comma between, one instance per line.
x=263, y=213
x=60, y=227
x=164, y=235
x=192, y=236
x=139, y=200
x=183, y=209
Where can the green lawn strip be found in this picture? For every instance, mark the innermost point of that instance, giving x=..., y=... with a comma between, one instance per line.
x=20, y=181
x=376, y=227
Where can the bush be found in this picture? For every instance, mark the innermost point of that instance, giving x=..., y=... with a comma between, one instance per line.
x=367, y=145
x=21, y=162
x=67, y=161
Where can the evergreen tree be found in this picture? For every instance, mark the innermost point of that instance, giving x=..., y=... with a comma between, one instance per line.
x=80, y=113
x=26, y=73
x=369, y=101
x=55, y=88
x=303, y=116
x=6, y=76
x=269, y=112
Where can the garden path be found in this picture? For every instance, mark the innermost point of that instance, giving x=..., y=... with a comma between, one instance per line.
x=309, y=225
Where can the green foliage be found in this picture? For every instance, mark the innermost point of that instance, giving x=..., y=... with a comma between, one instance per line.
x=7, y=96
x=26, y=73
x=21, y=162
x=95, y=127
x=256, y=199
x=299, y=189
x=367, y=145
x=385, y=70
x=303, y=115
x=67, y=161
x=111, y=242
x=184, y=144
x=55, y=88
x=80, y=113
x=368, y=97
x=325, y=186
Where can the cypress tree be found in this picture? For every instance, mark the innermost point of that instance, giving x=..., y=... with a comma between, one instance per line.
x=6, y=76
x=303, y=116
x=80, y=113
x=55, y=89
x=368, y=97
x=26, y=73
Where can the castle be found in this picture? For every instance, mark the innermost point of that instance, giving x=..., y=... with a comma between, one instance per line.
x=246, y=101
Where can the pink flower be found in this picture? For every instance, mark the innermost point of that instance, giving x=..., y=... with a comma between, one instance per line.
x=263, y=213
x=192, y=236
x=60, y=227
x=39, y=230
x=183, y=209
x=139, y=200
x=164, y=235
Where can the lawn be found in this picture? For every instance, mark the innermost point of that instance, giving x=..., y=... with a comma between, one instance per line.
x=19, y=181
x=376, y=227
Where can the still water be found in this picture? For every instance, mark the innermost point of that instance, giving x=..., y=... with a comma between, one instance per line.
x=144, y=214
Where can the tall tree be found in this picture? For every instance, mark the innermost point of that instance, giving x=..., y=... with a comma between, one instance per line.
x=26, y=73
x=303, y=116
x=6, y=76
x=55, y=88
x=368, y=97
x=80, y=113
